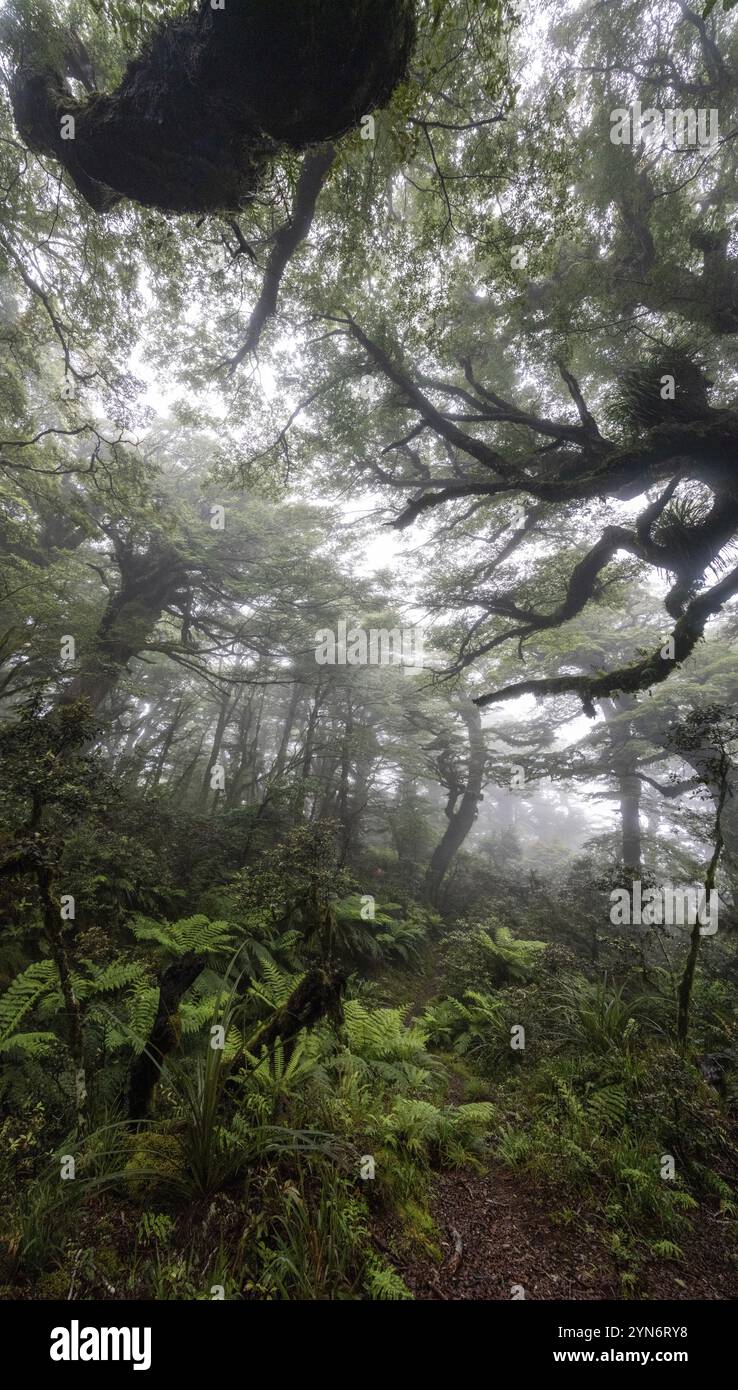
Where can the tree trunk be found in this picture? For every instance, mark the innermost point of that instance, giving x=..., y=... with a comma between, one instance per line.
x=53, y=927
x=625, y=770
x=147, y=584
x=281, y=758
x=630, y=807
x=307, y=755
x=220, y=728
x=460, y=820
x=686, y=984
x=166, y=743
x=185, y=779
x=146, y=1069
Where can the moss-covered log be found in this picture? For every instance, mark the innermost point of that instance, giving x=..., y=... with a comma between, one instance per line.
x=198, y=115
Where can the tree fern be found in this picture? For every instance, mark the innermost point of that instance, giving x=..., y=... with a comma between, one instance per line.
x=145, y=930
x=196, y=1014
x=203, y=937
x=382, y=1032
x=275, y=986
x=274, y=1078
x=119, y=974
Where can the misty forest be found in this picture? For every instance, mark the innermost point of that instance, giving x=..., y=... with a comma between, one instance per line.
x=368, y=809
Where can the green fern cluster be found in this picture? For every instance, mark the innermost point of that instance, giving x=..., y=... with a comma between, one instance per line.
x=446, y=1135
x=391, y=936
x=477, y=1026
x=576, y=1121
x=24, y=994
x=197, y=934
x=487, y=956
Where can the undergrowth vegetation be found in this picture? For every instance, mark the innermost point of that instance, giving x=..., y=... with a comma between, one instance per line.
x=284, y=1131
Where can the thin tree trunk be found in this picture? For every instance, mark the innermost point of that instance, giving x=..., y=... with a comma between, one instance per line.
x=307, y=756
x=461, y=819
x=163, y=754
x=220, y=728
x=281, y=758
x=55, y=934
x=238, y=779
x=625, y=769
x=183, y=785
x=343, y=786
x=686, y=984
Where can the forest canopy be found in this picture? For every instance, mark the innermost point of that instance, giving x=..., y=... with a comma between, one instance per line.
x=368, y=815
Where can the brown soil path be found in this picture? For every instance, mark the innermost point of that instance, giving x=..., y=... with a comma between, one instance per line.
x=500, y=1230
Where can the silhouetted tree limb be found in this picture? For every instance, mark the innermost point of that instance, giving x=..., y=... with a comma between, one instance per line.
x=315, y=169
x=652, y=670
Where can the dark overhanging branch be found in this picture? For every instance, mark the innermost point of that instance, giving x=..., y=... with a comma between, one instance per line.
x=242, y=246
x=589, y=424
x=424, y=123
x=688, y=562
x=315, y=169
x=592, y=468
x=671, y=790
x=587, y=433
x=716, y=69
x=451, y=493
x=641, y=675
x=598, y=468
x=447, y=430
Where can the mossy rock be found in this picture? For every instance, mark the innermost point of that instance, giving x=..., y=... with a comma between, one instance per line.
x=420, y=1228
x=109, y=1261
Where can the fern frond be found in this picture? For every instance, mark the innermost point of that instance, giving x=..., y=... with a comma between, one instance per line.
x=24, y=993
x=141, y=1014
x=118, y=975
x=202, y=936
x=30, y=1044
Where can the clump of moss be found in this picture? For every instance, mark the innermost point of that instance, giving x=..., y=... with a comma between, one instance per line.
x=156, y=1164
x=54, y=1286
x=198, y=115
